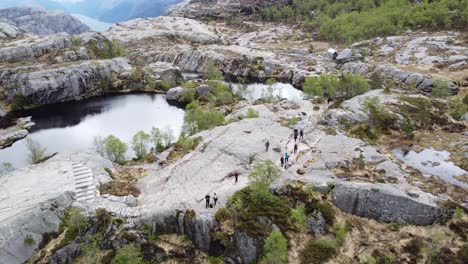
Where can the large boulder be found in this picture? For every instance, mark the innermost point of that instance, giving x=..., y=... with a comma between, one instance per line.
x=249, y=248
x=174, y=94
x=388, y=203
x=66, y=255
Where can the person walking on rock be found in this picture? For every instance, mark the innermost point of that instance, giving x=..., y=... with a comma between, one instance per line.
x=215, y=199
x=295, y=148
x=207, y=199
x=282, y=161
x=301, y=134
x=236, y=175
x=267, y=145
x=286, y=158
x=295, y=134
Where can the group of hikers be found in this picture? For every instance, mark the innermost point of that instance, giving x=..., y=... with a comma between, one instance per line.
x=285, y=158
x=208, y=199
x=284, y=164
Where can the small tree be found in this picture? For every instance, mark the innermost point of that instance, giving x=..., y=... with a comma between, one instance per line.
x=35, y=150
x=263, y=175
x=168, y=136
x=115, y=148
x=98, y=145
x=353, y=85
x=212, y=72
x=156, y=139
x=140, y=142
x=275, y=249
x=312, y=87
x=441, y=89
x=128, y=254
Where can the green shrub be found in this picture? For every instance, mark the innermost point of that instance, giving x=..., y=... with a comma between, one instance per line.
x=107, y=50
x=459, y=213
x=251, y=113
x=115, y=148
x=140, y=143
x=298, y=218
x=380, y=120
x=293, y=121
x=318, y=251
x=352, y=85
x=189, y=85
x=327, y=211
x=183, y=146
x=441, y=89
x=221, y=94
x=197, y=119
x=215, y=260
x=187, y=95
x=29, y=240
x=275, y=250
x=324, y=85
x=316, y=107
x=458, y=108
x=128, y=254
x=212, y=72
x=340, y=234
x=222, y=215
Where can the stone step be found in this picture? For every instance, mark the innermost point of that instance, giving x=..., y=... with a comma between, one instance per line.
x=84, y=179
x=85, y=184
x=86, y=199
x=86, y=193
x=81, y=172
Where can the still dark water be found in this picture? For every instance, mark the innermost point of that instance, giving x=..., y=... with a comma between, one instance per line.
x=72, y=126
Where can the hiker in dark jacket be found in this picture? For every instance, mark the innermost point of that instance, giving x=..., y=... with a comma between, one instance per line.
x=295, y=148
x=215, y=199
x=301, y=134
x=207, y=198
x=282, y=161
x=267, y=145
x=236, y=175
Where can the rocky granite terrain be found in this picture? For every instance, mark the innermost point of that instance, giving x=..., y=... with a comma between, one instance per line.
x=40, y=22
x=380, y=174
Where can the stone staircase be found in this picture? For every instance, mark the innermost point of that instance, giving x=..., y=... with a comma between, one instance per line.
x=83, y=180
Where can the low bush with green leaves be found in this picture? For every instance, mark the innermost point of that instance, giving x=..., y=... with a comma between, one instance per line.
x=275, y=250
x=115, y=148
x=319, y=251
x=441, y=89
x=198, y=119
x=212, y=72
x=128, y=254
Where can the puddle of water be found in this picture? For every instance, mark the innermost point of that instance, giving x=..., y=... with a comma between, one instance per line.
x=432, y=162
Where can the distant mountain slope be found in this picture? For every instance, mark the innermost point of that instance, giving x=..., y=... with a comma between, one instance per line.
x=40, y=22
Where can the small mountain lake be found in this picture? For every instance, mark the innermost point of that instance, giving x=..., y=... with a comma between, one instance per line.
x=71, y=126
x=256, y=91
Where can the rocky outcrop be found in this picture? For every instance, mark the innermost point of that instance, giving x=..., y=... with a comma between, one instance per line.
x=388, y=203
x=221, y=8
x=8, y=31
x=64, y=47
x=173, y=27
x=66, y=255
x=17, y=132
x=40, y=22
x=421, y=81
x=34, y=47
x=45, y=86
x=163, y=71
